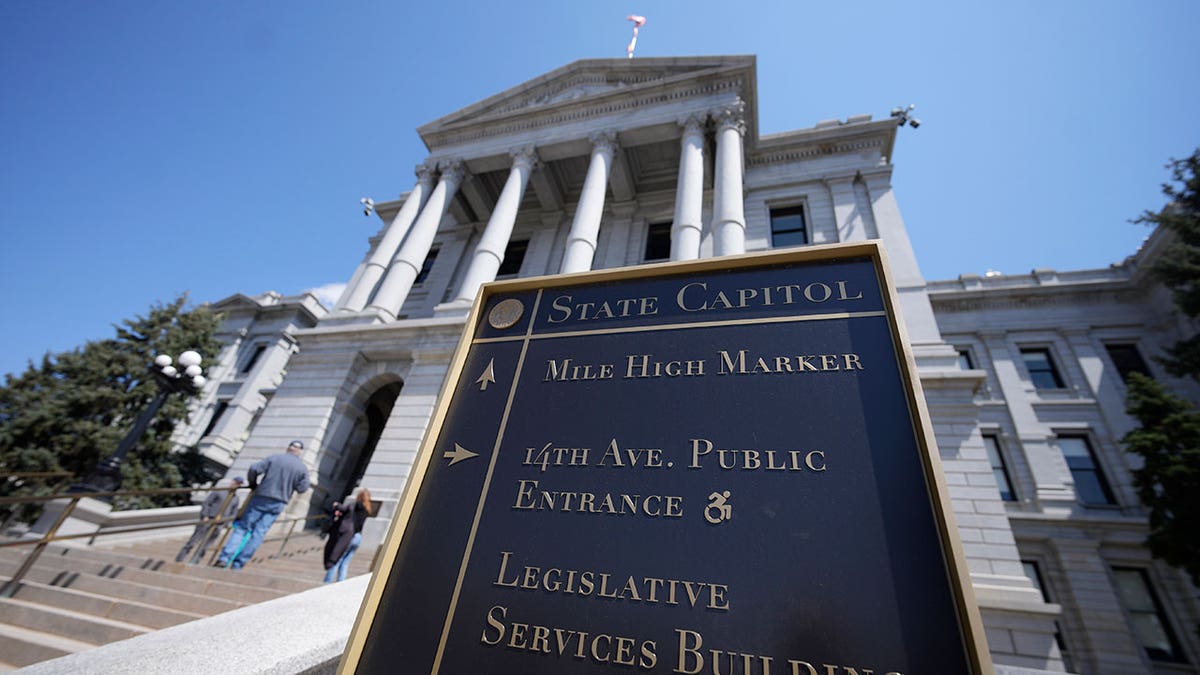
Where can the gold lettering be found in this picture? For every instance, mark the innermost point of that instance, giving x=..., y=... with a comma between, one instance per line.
x=808, y=460
x=718, y=597
x=504, y=555
x=530, y=581
x=525, y=489
x=596, y=643
x=496, y=624
x=809, y=670
x=679, y=297
x=516, y=638
x=565, y=309
x=842, y=292
x=689, y=654
x=697, y=454
x=630, y=361
x=825, y=292
x=727, y=365
x=556, y=372
x=649, y=655
x=605, y=312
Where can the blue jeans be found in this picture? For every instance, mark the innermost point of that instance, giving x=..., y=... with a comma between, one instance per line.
x=343, y=563
x=249, y=530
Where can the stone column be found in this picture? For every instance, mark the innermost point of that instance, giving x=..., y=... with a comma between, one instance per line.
x=407, y=263
x=581, y=242
x=729, y=219
x=689, y=191
x=489, y=253
x=359, y=290
x=846, y=215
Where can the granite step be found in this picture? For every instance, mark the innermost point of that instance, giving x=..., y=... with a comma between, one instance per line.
x=76, y=597
x=129, y=611
x=65, y=623
x=21, y=647
x=125, y=590
x=227, y=589
x=274, y=580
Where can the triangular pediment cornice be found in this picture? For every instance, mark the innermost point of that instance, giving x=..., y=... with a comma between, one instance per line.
x=595, y=87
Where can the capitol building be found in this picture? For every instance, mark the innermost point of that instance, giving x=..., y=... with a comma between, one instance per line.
x=611, y=163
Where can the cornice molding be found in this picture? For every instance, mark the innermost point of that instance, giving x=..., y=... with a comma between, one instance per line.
x=1026, y=300
x=810, y=150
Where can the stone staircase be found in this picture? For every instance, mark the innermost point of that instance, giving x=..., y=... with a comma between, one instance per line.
x=76, y=598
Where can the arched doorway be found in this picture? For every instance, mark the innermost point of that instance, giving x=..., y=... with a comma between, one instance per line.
x=360, y=444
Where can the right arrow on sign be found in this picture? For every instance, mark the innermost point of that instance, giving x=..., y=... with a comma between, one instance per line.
x=458, y=454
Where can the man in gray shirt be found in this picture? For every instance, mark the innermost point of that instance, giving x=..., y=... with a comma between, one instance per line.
x=272, y=480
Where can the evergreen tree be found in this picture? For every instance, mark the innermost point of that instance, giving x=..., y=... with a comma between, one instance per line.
x=1179, y=266
x=1169, y=481
x=1168, y=440
x=73, y=409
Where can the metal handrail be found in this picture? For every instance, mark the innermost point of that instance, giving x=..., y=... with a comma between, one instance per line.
x=39, y=474
x=39, y=544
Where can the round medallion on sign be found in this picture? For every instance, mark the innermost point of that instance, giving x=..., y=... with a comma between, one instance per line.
x=506, y=314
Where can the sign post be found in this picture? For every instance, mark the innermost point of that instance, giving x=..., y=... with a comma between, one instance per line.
x=721, y=466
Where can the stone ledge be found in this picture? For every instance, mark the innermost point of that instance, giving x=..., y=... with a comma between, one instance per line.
x=300, y=633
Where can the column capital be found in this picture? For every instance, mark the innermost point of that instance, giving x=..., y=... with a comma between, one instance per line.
x=425, y=171
x=524, y=156
x=731, y=116
x=604, y=141
x=693, y=125
x=453, y=171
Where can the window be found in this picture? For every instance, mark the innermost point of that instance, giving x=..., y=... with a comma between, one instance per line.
x=514, y=255
x=788, y=227
x=965, y=362
x=222, y=406
x=1150, y=626
x=658, y=242
x=1041, y=368
x=426, y=267
x=999, y=469
x=1090, y=484
x=1127, y=360
x=1035, y=575
x=254, y=356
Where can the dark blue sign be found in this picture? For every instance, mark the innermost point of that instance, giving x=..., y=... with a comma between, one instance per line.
x=704, y=470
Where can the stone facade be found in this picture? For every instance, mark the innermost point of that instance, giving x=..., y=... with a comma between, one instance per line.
x=1071, y=505
x=610, y=163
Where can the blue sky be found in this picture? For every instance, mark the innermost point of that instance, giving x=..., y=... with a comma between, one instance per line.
x=148, y=149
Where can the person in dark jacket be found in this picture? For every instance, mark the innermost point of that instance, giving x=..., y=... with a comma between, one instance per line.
x=206, y=530
x=345, y=534
x=273, y=481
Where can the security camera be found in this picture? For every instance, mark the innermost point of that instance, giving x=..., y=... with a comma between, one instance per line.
x=904, y=115
x=368, y=205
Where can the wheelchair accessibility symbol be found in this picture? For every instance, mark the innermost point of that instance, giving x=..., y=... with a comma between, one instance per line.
x=719, y=509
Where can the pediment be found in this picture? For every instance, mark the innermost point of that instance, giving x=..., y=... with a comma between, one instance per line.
x=590, y=81
x=241, y=301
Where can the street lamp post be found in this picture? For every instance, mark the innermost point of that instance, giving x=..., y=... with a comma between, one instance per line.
x=107, y=475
